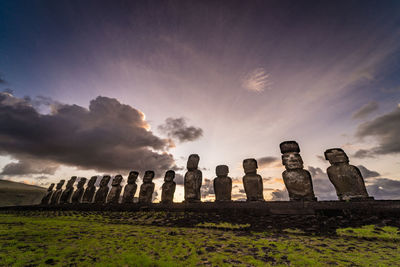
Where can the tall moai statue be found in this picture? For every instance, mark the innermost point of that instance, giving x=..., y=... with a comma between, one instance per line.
x=69, y=189
x=130, y=188
x=147, y=188
x=47, y=197
x=346, y=178
x=193, y=179
x=252, y=182
x=101, y=194
x=90, y=190
x=222, y=184
x=297, y=180
x=56, y=195
x=116, y=188
x=168, y=188
x=78, y=193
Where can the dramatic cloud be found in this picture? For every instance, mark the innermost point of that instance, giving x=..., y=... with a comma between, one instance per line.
x=178, y=179
x=363, y=153
x=109, y=136
x=384, y=189
x=280, y=195
x=207, y=188
x=367, y=173
x=268, y=162
x=365, y=110
x=256, y=81
x=29, y=166
x=323, y=188
x=386, y=129
x=177, y=129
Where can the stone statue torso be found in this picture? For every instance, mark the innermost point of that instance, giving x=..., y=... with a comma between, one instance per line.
x=89, y=193
x=77, y=196
x=47, y=197
x=168, y=190
x=192, y=184
x=101, y=194
x=253, y=186
x=56, y=196
x=299, y=184
x=223, y=188
x=66, y=195
x=129, y=193
x=146, y=192
x=113, y=196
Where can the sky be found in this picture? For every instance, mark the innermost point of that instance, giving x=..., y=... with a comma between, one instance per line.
x=96, y=87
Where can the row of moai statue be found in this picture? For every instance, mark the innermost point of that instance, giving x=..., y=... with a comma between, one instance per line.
x=346, y=178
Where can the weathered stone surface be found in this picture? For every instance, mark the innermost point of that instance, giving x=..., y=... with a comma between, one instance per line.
x=168, y=188
x=69, y=189
x=297, y=180
x=78, y=193
x=57, y=193
x=116, y=188
x=130, y=188
x=47, y=197
x=89, y=191
x=222, y=184
x=252, y=182
x=193, y=179
x=101, y=194
x=147, y=188
x=346, y=178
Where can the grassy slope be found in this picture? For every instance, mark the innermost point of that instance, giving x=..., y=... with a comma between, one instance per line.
x=89, y=239
x=13, y=193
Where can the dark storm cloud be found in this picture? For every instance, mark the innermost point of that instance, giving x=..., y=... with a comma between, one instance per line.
x=384, y=188
x=177, y=129
x=323, y=188
x=29, y=166
x=386, y=129
x=280, y=195
x=207, y=188
x=268, y=162
x=365, y=110
x=109, y=136
x=364, y=153
x=367, y=173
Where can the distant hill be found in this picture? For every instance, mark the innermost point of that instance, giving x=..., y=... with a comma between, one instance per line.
x=13, y=193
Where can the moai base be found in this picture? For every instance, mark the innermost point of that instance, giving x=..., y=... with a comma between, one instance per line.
x=90, y=190
x=297, y=180
x=222, y=184
x=168, y=188
x=147, y=188
x=130, y=188
x=57, y=194
x=69, y=189
x=252, y=182
x=47, y=197
x=116, y=188
x=78, y=193
x=101, y=194
x=346, y=178
x=193, y=179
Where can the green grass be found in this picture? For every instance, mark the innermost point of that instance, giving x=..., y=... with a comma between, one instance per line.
x=92, y=239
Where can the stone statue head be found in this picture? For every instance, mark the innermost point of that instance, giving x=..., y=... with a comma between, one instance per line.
x=117, y=180
x=292, y=161
x=71, y=182
x=222, y=170
x=336, y=155
x=81, y=182
x=92, y=181
x=289, y=146
x=50, y=187
x=104, y=181
x=193, y=162
x=60, y=184
x=133, y=175
x=148, y=177
x=250, y=166
x=169, y=176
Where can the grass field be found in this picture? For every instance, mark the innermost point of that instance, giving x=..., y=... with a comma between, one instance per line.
x=14, y=194
x=94, y=239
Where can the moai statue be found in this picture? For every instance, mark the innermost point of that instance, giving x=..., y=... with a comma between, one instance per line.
x=346, y=178
x=69, y=189
x=90, y=190
x=47, y=197
x=168, y=188
x=130, y=188
x=147, y=188
x=193, y=179
x=252, y=182
x=297, y=180
x=78, y=193
x=101, y=194
x=222, y=184
x=56, y=195
x=116, y=188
